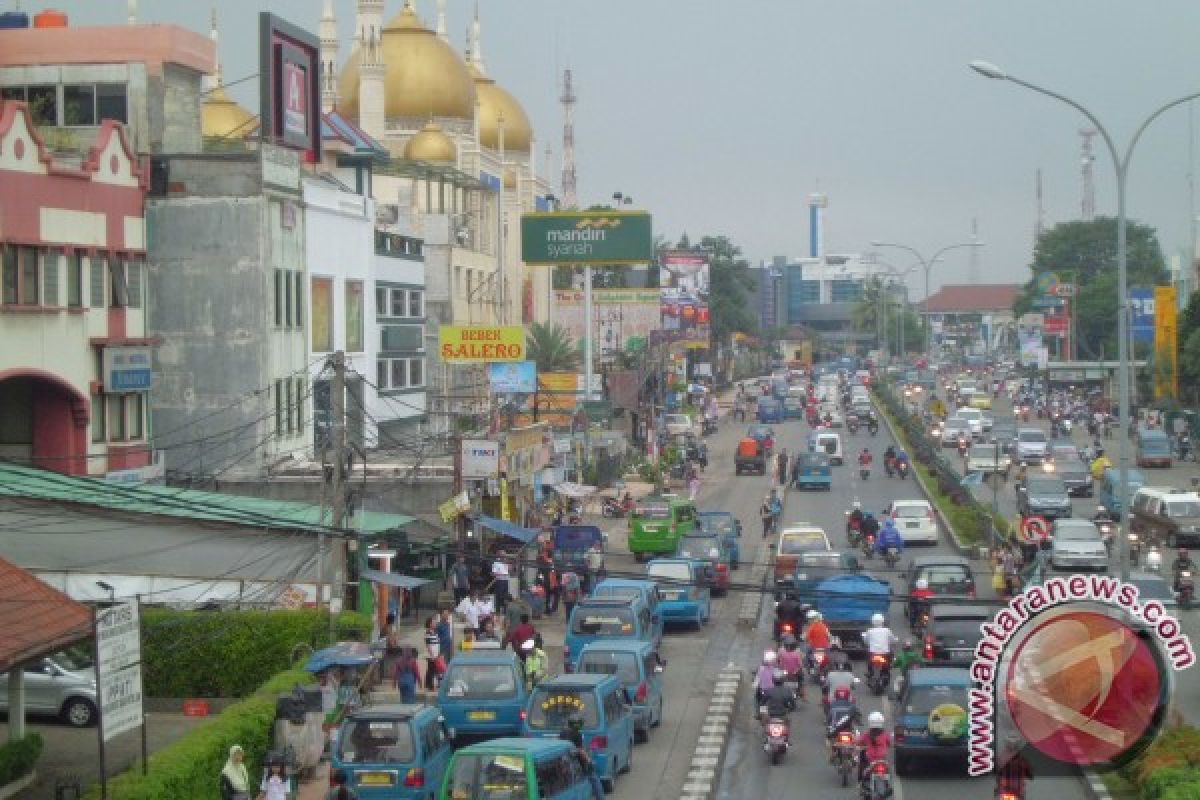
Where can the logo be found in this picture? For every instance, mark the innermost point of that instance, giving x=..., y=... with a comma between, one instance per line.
x=603, y=222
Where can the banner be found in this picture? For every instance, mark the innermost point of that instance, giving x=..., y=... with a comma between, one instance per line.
x=622, y=318
x=480, y=458
x=684, y=278
x=601, y=237
x=467, y=344
x=1142, y=319
x=1030, y=339
x=1166, y=373
x=517, y=377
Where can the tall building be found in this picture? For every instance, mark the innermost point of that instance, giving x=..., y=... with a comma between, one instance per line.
x=821, y=294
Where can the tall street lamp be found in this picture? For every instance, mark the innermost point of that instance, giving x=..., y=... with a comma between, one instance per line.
x=1121, y=165
x=927, y=264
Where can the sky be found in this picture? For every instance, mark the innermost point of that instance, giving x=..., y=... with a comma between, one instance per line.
x=721, y=117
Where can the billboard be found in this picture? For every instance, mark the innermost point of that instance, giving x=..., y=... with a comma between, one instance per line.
x=473, y=344
x=587, y=237
x=515, y=377
x=622, y=318
x=289, y=85
x=1141, y=303
x=1166, y=372
x=1030, y=339
x=480, y=458
x=684, y=278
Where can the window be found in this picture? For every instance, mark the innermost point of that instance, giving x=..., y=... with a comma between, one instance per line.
x=98, y=429
x=29, y=276
x=120, y=289
x=322, y=315
x=12, y=93
x=399, y=302
x=11, y=277
x=137, y=410
x=416, y=372
x=416, y=304
x=278, y=298
x=43, y=104
x=845, y=291
x=96, y=283
x=111, y=102
x=118, y=430
x=299, y=279
x=381, y=301
x=354, y=316
x=50, y=280
x=133, y=277
x=399, y=373
x=289, y=300
x=401, y=337
x=74, y=280
x=381, y=374
x=289, y=400
x=79, y=105
x=279, y=420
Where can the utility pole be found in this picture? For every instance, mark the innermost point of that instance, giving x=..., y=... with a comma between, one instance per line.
x=337, y=363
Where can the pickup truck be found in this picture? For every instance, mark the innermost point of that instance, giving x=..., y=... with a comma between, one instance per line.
x=848, y=602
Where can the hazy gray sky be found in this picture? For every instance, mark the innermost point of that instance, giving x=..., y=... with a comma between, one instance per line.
x=722, y=116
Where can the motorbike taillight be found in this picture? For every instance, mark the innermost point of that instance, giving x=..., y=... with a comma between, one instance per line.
x=1009, y=796
x=775, y=729
x=845, y=738
x=880, y=768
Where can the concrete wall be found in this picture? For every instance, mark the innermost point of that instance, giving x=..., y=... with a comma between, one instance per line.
x=174, y=109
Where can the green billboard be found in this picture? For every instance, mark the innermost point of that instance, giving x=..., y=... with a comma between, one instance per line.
x=586, y=237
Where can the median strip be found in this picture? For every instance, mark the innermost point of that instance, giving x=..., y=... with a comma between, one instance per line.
x=702, y=777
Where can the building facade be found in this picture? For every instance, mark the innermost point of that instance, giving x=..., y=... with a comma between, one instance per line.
x=973, y=317
x=75, y=360
x=821, y=295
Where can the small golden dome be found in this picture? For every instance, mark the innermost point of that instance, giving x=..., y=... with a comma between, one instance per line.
x=222, y=118
x=431, y=144
x=496, y=103
x=423, y=76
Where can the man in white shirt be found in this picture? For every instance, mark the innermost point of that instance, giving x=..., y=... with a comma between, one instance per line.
x=471, y=610
x=879, y=640
x=500, y=583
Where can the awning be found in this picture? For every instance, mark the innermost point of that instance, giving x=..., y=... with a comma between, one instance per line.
x=509, y=529
x=568, y=489
x=343, y=654
x=393, y=579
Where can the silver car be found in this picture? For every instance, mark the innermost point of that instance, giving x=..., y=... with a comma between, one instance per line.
x=1077, y=545
x=63, y=685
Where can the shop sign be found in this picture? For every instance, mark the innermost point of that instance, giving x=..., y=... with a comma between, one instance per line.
x=127, y=369
x=480, y=458
x=587, y=237
x=472, y=344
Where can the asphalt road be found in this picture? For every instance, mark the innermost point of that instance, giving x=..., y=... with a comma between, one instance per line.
x=807, y=764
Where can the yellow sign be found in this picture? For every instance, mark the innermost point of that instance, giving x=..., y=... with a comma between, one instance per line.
x=470, y=344
x=1166, y=351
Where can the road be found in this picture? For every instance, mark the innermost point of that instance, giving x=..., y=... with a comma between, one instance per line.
x=806, y=765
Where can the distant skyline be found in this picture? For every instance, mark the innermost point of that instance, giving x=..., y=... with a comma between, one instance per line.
x=721, y=118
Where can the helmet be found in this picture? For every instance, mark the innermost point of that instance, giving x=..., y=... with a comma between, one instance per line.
x=875, y=720
x=877, y=620
x=769, y=657
x=908, y=644
x=813, y=616
x=857, y=506
x=922, y=583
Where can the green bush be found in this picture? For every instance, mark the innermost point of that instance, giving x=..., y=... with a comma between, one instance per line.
x=190, y=768
x=229, y=653
x=17, y=759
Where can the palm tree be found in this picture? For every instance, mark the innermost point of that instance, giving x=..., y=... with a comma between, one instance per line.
x=550, y=346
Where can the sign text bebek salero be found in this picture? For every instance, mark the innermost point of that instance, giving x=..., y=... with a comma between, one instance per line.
x=587, y=237
x=466, y=344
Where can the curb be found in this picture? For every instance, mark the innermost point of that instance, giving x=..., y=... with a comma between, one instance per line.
x=1093, y=786
x=752, y=600
x=702, y=777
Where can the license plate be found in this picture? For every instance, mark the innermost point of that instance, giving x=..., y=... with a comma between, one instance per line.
x=672, y=595
x=376, y=778
x=914, y=524
x=481, y=716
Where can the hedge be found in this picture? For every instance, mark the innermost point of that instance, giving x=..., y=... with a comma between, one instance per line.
x=17, y=759
x=229, y=653
x=190, y=768
x=1169, y=769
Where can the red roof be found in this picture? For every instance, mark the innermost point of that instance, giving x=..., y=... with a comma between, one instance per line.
x=35, y=618
x=966, y=298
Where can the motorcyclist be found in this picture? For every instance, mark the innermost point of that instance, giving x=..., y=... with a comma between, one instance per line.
x=764, y=677
x=889, y=460
x=816, y=635
x=1182, y=563
x=856, y=517
x=780, y=701
x=1099, y=465
x=788, y=611
x=920, y=599
x=870, y=525
x=879, y=639
x=865, y=458
x=791, y=661
x=889, y=537
x=872, y=424
x=875, y=743
x=902, y=458
x=908, y=656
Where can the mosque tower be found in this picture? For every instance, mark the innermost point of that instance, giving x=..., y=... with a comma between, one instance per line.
x=329, y=57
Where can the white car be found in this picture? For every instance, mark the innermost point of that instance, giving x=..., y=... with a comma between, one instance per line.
x=678, y=424
x=1077, y=545
x=988, y=420
x=953, y=427
x=915, y=521
x=974, y=418
x=988, y=459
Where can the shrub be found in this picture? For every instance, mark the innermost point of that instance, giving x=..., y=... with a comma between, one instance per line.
x=229, y=653
x=17, y=759
x=190, y=768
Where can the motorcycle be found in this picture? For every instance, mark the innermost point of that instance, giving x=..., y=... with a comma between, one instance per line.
x=878, y=783
x=962, y=447
x=1185, y=448
x=709, y=425
x=818, y=668
x=864, y=472
x=902, y=469
x=845, y=753
x=775, y=737
x=853, y=530
x=614, y=509
x=1186, y=589
x=889, y=466
x=873, y=427
x=1025, y=413
x=891, y=557
x=868, y=545
x=879, y=673
x=852, y=425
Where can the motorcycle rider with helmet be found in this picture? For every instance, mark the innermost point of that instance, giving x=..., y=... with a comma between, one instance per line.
x=875, y=743
x=879, y=639
x=764, y=677
x=816, y=635
x=870, y=525
x=889, y=460
x=856, y=517
x=791, y=661
x=1182, y=563
x=889, y=537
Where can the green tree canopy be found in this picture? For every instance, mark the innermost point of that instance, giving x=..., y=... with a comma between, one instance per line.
x=551, y=347
x=1085, y=253
x=877, y=304
x=731, y=300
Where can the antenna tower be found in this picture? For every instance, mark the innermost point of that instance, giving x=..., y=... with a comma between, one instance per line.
x=973, y=269
x=1040, y=225
x=570, y=198
x=1088, y=206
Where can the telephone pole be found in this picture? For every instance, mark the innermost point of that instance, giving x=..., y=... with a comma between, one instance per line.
x=337, y=394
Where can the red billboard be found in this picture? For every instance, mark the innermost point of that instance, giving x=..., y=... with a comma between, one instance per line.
x=289, y=86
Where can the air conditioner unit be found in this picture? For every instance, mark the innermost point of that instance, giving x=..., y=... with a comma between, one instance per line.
x=387, y=214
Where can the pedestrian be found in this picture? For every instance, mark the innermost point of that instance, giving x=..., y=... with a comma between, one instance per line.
x=460, y=579
x=781, y=469
x=339, y=790
x=570, y=593
x=767, y=515
x=693, y=486
x=487, y=630
x=553, y=588
x=391, y=645
x=235, y=780
x=500, y=574
x=739, y=407
x=471, y=610
x=408, y=676
x=445, y=631
x=433, y=652
x=275, y=782
x=595, y=566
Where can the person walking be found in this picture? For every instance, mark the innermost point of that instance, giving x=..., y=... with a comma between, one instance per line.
x=460, y=578
x=471, y=611
x=693, y=486
x=781, y=467
x=500, y=574
x=408, y=676
x=392, y=650
x=235, y=780
x=553, y=583
x=767, y=515
x=275, y=783
x=571, y=591
x=433, y=652
x=445, y=632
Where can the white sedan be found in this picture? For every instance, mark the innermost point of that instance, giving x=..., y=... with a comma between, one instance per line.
x=678, y=424
x=915, y=521
x=836, y=420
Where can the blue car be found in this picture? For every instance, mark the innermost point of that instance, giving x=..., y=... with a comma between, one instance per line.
x=813, y=471
x=483, y=694
x=770, y=409
x=393, y=752
x=520, y=769
x=730, y=529
x=630, y=588
x=639, y=668
x=602, y=708
x=932, y=712
x=683, y=589
x=605, y=618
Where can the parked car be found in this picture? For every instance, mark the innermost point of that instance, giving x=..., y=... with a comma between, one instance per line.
x=639, y=668
x=931, y=713
x=915, y=521
x=952, y=633
x=1077, y=545
x=517, y=768
x=393, y=752
x=61, y=685
x=1043, y=495
x=1165, y=516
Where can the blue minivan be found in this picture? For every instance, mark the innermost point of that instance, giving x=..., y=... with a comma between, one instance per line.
x=605, y=618
x=639, y=668
x=516, y=769
x=601, y=708
x=683, y=589
x=628, y=588
x=483, y=694
x=393, y=752
x=931, y=720
x=770, y=409
x=1110, y=489
x=730, y=529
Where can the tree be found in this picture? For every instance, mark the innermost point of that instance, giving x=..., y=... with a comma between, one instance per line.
x=1085, y=253
x=551, y=347
x=878, y=305
x=1189, y=348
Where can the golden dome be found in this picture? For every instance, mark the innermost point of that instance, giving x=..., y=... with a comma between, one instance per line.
x=423, y=76
x=431, y=144
x=494, y=103
x=223, y=118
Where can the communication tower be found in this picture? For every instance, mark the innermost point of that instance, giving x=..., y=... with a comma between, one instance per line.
x=1088, y=206
x=569, y=196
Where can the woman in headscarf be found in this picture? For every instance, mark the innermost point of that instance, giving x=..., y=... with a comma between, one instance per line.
x=235, y=780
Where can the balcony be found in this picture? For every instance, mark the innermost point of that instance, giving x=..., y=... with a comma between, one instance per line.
x=396, y=245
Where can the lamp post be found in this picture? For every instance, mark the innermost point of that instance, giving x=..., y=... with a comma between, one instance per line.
x=1121, y=166
x=927, y=264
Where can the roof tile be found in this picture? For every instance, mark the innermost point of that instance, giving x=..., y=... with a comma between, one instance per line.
x=35, y=618
x=967, y=298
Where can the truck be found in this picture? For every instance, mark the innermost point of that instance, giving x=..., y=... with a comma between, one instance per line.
x=847, y=602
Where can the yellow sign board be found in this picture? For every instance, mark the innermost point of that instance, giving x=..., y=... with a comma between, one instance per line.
x=1166, y=372
x=473, y=344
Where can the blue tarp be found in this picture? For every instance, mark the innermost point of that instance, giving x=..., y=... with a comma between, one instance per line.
x=852, y=597
x=509, y=529
x=342, y=654
x=393, y=579
x=576, y=538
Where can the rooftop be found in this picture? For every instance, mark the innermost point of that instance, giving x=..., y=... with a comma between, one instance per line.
x=153, y=45
x=35, y=619
x=967, y=298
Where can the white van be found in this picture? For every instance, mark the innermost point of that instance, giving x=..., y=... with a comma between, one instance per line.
x=828, y=442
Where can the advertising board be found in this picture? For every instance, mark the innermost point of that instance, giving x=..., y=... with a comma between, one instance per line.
x=472, y=344
x=515, y=377
x=480, y=458
x=622, y=318
x=684, y=278
x=587, y=237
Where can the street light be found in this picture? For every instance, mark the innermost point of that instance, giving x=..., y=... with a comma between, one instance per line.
x=927, y=263
x=1121, y=165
